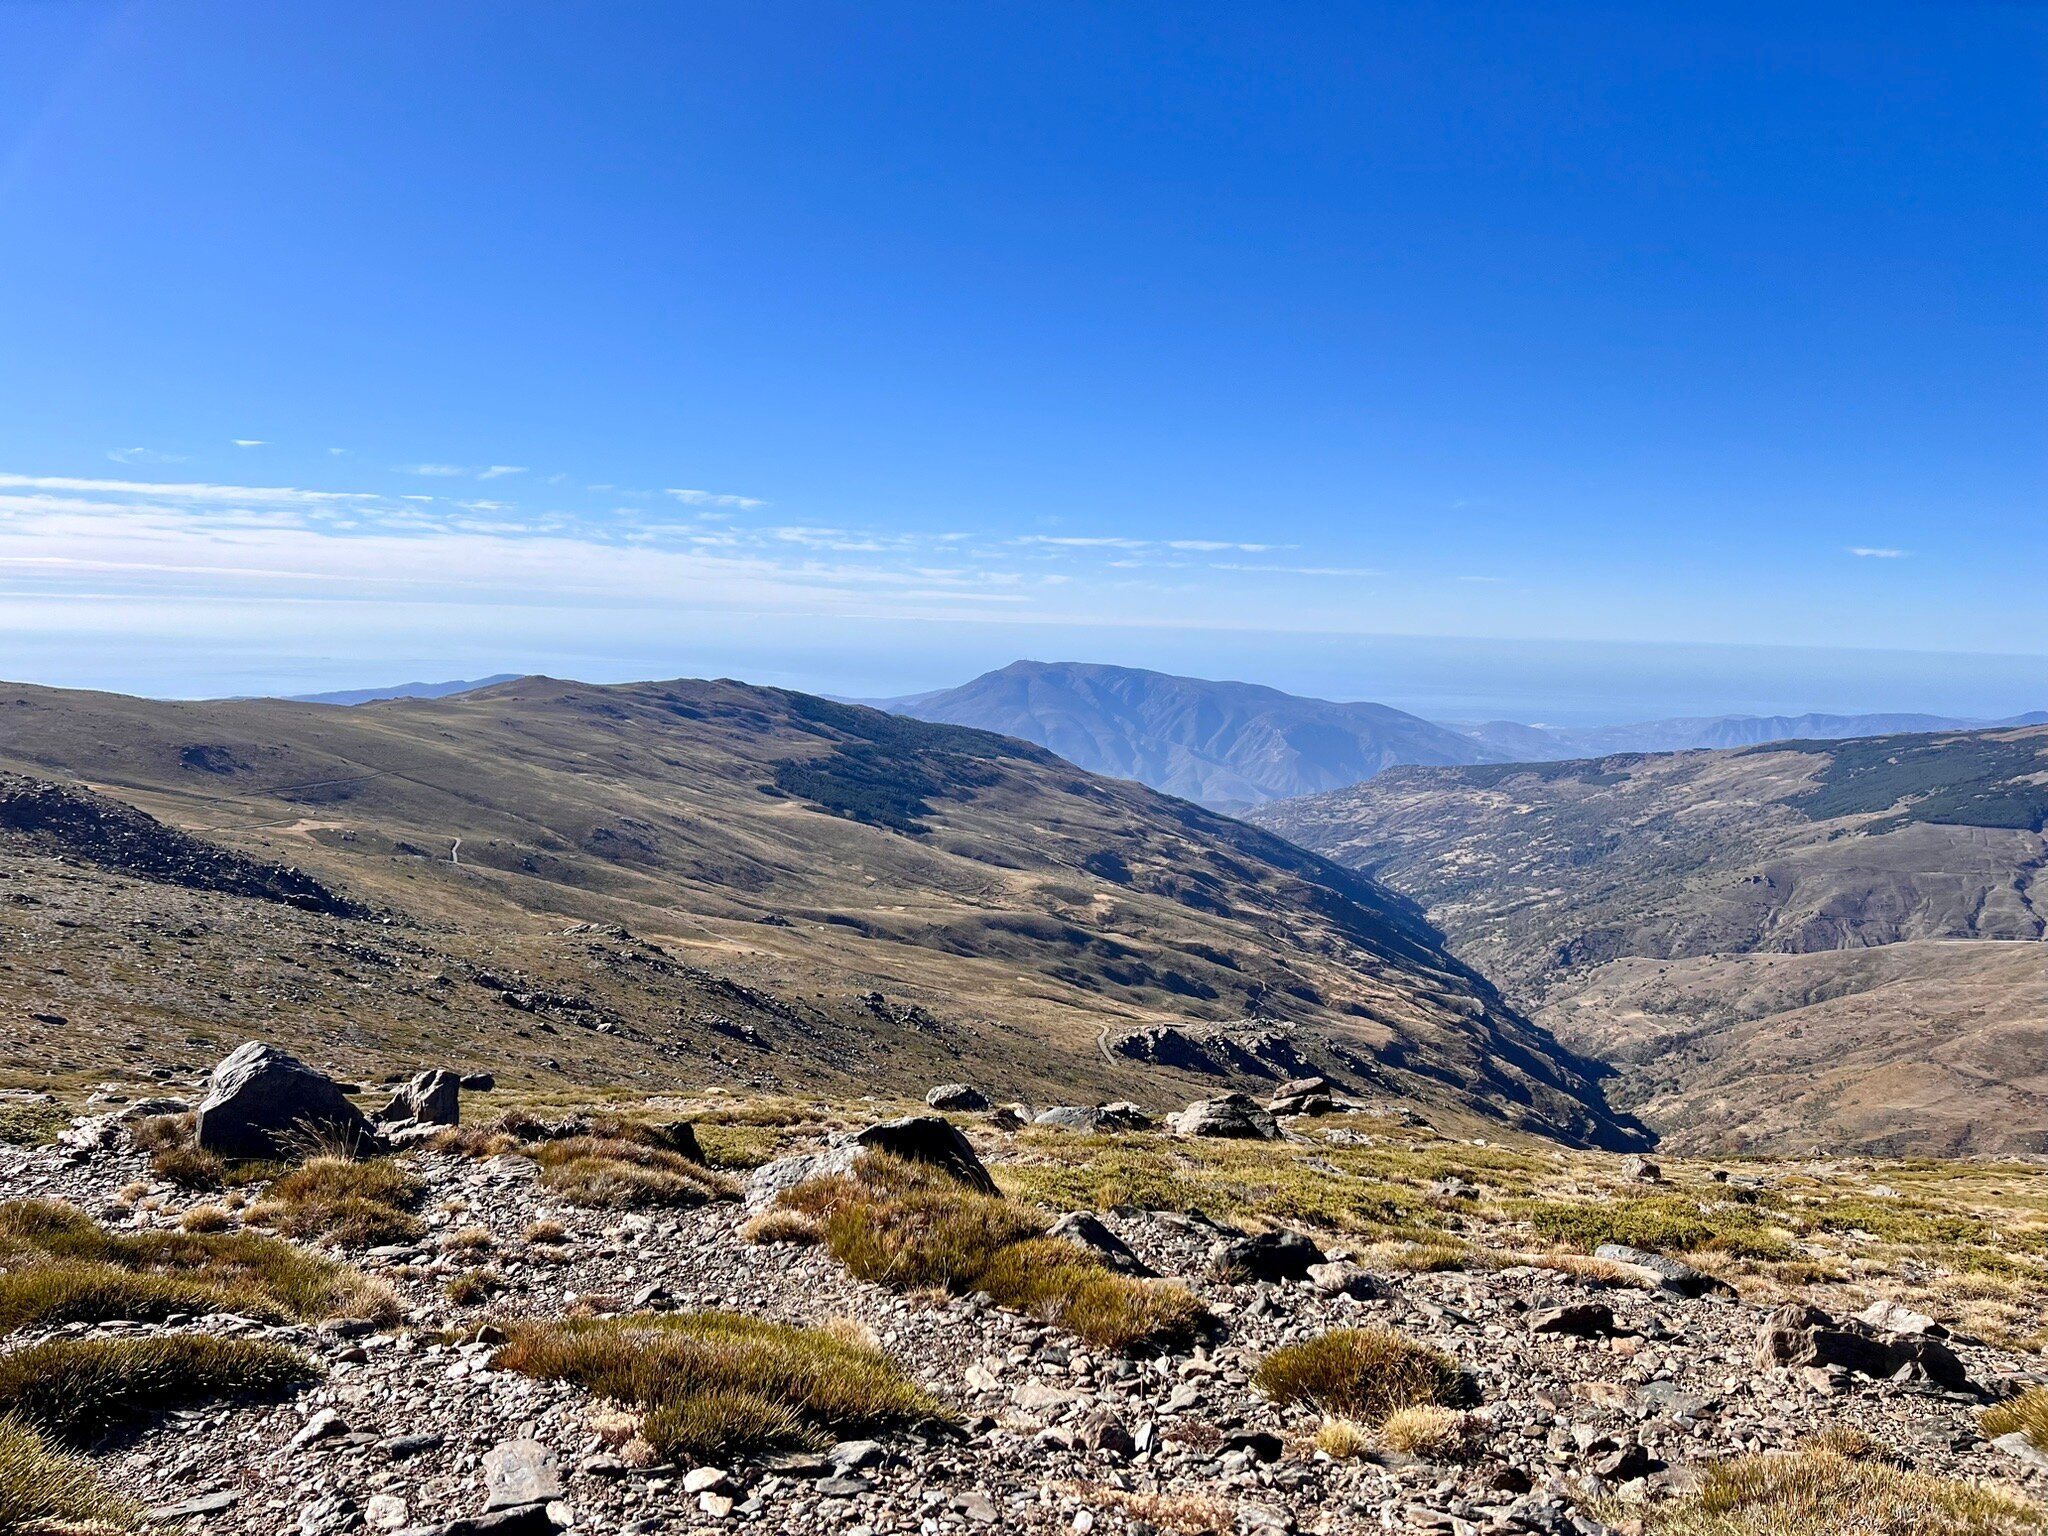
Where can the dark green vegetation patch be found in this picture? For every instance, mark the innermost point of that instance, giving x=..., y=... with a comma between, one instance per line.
x=1958, y=781
x=888, y=768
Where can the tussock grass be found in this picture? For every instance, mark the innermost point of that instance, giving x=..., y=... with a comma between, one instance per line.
x=1343, y=1439
x=74, y=1389
x=349, y=1203
x=474, y=1287
x=1360, y=1373
x=1430, y=1431
x=627, y=1172
x=2026, y=1414
x=64, y=1267
x=39, y=1482
x=1825, y=1491
x=206, y=1218
x=547, y=1230
x=781, y=1226
x=711, y=1383
x=913, y=1228
x=1178, y=1514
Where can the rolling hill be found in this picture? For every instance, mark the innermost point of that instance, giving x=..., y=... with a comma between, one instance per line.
x=1809, y=942
x=1550, y=743
x=1226, y=745
x=700, y=882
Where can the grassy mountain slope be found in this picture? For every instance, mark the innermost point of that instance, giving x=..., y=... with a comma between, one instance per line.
x=1223, y=744
x=1564, y=881
x=807, y=889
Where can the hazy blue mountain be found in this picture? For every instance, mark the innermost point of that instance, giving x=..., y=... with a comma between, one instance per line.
x=1224, y=744
x=1544, y=743
x=403, y=691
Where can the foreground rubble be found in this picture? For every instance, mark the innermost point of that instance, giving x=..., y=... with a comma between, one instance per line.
x=1590, y=1397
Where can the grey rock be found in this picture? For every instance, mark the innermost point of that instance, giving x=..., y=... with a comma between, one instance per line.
x=263, y=1103
x=1101, y=1430
x=1891, y=1317
x=1803, y=1336
x=1229, y=1115
x=1343, y=1278
x=963, y=1098
x=1087, y=1229
x=478, y=1082
x=520, y=1520
x=1641, y=1170
x=1270, y=1256
x=324, y=1424
x=1579, y=1320
x=1666, y=1274
x=1096, y=1119
x=1302, y=1087
x=1302, y=1104
x=2018, y=1445
x=843, y=1486
x=330, y=1515
x=856, y=1453
x=520, y=1472
x=428, y=1098
x=928, y=1139
x=404, y=1447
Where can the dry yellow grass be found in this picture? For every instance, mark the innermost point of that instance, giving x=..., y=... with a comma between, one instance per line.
x=1359, y=1373
x=1429, y=1431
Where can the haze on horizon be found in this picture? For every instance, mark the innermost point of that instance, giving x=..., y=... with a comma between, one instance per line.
x=1581, y=366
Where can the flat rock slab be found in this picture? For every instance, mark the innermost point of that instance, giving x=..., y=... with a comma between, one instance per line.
x=518, y=1472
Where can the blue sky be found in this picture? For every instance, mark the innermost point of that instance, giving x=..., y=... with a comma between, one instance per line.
x=1613, y=359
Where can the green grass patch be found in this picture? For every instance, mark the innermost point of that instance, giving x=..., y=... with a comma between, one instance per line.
x=73, y=1389
x=913, y=1228
x=32, y=1125
x=63, y=1267
x=1659, y=1223
x=1364, y=1374
x=712, y=1383
x=621, y=1172
x=40, y=1483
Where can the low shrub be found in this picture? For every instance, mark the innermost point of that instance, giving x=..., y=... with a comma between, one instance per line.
x=40, y=1482
x=63, y=1267
x=74, y=1389
x=1360, y=1373
x=912, y=1227
x=710, y=1383
x=1822, y=1491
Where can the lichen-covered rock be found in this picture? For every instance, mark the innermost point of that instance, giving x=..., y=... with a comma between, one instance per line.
x=1232, y=1115
x=429, y=1098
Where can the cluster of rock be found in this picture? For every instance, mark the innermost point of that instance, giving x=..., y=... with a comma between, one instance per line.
x=1234, y=1116
x=263, y=1103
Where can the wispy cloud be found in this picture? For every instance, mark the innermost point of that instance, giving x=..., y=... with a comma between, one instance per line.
x=195, y=491
x=1866, y=552
x=690, y=498
x=1299, y=570
x=440, y=471
x=500, y=471
x=248, y=442
x=143, y=456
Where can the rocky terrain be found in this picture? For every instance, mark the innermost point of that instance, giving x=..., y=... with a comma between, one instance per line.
x=1589, y=1393
x=669, y=884
x=1645, y=908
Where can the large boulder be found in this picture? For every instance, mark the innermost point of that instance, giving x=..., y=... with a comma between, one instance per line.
x=1663, y=1273
x=262, y=1103
x=1227, y=1115
x=928, y=1139
x=962, y=1098
x=1271, y=1256
x=1090, y=1231
x=429, y=1098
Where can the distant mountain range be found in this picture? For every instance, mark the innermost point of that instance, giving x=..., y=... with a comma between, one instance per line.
x=1227, y=745
x=403, y=691
x=1236, y=745
x=1547, y=743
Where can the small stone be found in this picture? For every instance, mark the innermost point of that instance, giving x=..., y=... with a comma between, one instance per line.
x=856, y=1453
x=716, y=1505
x=520, y=1472
x=1101, y=1430
x=1580, y=1320
x=706, y=1480
x=386, y=1511
x=325, y=1422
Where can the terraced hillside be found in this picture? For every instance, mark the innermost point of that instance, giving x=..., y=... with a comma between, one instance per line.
x=1635, y=904
x=682, y=882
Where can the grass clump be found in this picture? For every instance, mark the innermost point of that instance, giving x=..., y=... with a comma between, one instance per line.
x=710, y=1383
x=1830, y=1490
x=914, y=1228
x=546, y=1231
x=2026, y=1414
x=32, y=1125
x=780, y=1226
x=63, y=1267
x=43, y=1484
x=474, y=1287
x=627, y=1172
x=1343, y=1439
x=1429, y=1431
x=75, y=1388
x=340, y=1200
x=1366, y=1374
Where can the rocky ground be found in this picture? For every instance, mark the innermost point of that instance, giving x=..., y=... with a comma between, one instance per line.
x=412, y=1427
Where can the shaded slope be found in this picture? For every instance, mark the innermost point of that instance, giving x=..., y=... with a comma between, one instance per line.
x=948, y=885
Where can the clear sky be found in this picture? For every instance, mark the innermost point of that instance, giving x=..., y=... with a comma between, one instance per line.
x=863, y=346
